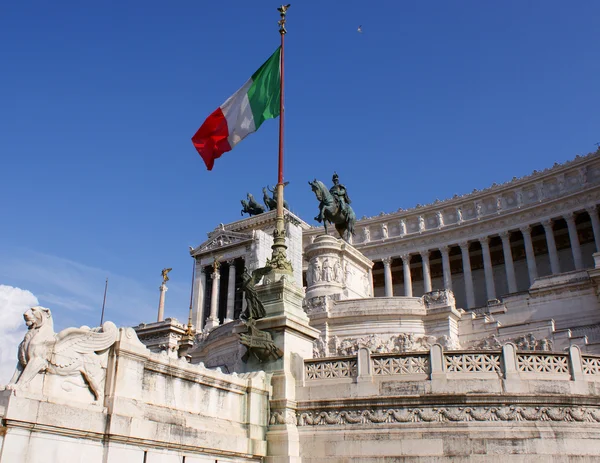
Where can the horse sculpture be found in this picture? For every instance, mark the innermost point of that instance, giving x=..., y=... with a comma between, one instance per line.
x=330, y=210
x=251, y=207
x=271, y=202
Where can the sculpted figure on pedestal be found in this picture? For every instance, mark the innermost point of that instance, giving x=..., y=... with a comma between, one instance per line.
x=384, y=231
x=72, y=352
x=366, y=234
x=459, y=216
x=337, y=271
x=327, y=270
x=254, y=306
x=440, y=218
x=334, y=207
x=316, y=271
x=421, y=223
x=402, y=227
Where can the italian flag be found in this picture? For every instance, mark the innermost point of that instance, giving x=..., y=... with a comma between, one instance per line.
x=242, y=113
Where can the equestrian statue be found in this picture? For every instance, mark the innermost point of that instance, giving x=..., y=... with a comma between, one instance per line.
x=334, y=207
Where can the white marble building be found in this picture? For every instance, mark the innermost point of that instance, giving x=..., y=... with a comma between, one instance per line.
x=467, y=330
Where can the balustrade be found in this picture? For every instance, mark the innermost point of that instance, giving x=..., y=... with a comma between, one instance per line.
x=459, y=364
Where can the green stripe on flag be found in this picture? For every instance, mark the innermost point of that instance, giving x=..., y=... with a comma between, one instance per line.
x=264, y=93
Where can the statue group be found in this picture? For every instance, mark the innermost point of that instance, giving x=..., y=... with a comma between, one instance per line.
x=334, y=207
x=252, y=207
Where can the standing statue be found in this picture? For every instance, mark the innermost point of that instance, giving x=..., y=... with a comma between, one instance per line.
x=334, y=207
x=251, y=207
x=271, y=202
x=165, y=272
x=254, y=307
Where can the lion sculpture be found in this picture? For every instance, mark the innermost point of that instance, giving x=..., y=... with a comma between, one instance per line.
x=71, y=352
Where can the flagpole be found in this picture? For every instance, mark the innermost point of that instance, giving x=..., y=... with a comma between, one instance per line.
x=104, y=302
x=279, y=259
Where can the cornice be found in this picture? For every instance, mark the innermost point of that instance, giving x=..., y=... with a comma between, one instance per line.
x=476, y=195
x=474, y=229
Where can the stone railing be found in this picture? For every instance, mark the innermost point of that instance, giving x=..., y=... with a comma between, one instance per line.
x=330, y=368
x=504, y=363
x=590, y=364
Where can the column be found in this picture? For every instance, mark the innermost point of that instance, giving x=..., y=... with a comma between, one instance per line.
x=445, y=250
x=198, y=301
x=529, y=254
x=407, y=278
x=213, y=319
x=464, y=248
x=387, y=272
x=161, y=302
x=574, y=238
x=593, y=212
x=490, y=287
x=554, y=263
x=508, y=262
x=230, y=291
x=426, y=271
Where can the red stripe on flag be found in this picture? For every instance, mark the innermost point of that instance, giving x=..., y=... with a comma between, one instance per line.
x=211, y=138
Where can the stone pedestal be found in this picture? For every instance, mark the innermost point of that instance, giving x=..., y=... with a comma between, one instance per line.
x=289, y=327
x=162, y=336
x=337, y=268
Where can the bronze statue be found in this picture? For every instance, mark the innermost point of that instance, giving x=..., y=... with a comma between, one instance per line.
x=165, y=272
x=259, y=343
x=251, y=207
x=254, y=307
x=271, y=203
x=334, y=207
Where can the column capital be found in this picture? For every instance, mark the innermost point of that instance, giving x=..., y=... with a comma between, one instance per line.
x=464, y=246
x=484, y=241
x=592, y=209
x=445, y=249
x=569, y=216
x=424, y=254
x=230, y=261
x=405, y=257
x=526, y=229
x=386, y=261
x=504, y=235
x=216, y=275
x=547, y=223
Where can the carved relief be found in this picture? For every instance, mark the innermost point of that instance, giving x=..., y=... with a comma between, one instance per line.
x=337, y=271
x=446, y=414
x=327, y=270
x=403, y=342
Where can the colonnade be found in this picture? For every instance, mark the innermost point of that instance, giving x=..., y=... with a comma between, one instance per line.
x=210, y=319
x=444, y=250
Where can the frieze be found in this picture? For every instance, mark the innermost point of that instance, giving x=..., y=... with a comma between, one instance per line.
x=505, y=413
x=527, y=342
x=403, y=342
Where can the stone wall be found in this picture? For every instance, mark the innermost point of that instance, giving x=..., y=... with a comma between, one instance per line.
x=155, y=409
x=456, y=406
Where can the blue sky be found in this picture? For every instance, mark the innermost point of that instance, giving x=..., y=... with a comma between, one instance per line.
x=99, y=101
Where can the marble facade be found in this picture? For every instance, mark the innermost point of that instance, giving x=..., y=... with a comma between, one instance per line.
x=467, y=330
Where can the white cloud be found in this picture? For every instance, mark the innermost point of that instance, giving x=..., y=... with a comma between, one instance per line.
x=13, y=303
